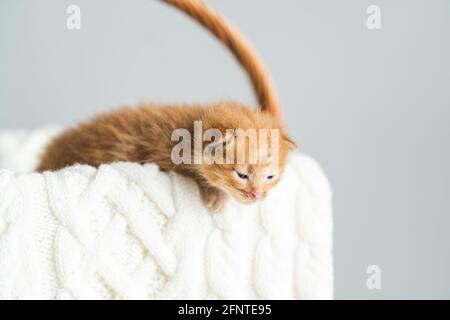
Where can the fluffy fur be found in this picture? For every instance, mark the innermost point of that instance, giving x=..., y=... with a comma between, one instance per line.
x=143, y=135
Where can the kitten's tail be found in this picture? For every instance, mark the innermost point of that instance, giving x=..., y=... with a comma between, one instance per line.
x=239, y=47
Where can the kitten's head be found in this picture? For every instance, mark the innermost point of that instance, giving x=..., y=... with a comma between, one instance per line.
x=256, y=168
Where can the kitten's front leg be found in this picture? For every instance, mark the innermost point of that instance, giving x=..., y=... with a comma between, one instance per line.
x=213, y=198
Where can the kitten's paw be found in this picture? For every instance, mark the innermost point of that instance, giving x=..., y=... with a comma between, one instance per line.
x=214, y=200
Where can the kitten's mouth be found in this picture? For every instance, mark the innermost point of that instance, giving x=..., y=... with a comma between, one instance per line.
x=252, y=197
x=246, y=197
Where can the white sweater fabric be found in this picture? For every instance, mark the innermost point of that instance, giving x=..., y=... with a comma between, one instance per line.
x=129, y=231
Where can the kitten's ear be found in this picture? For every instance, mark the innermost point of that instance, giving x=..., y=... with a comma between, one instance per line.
x=292, y=146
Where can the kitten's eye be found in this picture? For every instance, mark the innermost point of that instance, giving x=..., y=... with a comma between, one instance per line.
x=241, y=175
x=270, y=177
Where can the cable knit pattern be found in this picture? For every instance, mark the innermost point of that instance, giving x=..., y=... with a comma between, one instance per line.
x=126, y=231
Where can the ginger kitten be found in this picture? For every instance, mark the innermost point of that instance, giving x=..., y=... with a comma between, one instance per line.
x=144, y=134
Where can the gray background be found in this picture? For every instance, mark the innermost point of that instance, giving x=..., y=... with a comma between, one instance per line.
x=372, y=106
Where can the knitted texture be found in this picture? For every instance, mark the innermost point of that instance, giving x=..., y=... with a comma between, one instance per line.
x=126, y=231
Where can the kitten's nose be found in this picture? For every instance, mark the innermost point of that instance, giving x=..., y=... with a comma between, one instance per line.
x=256, y=195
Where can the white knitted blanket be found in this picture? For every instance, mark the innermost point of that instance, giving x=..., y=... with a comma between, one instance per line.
x=127, y=231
